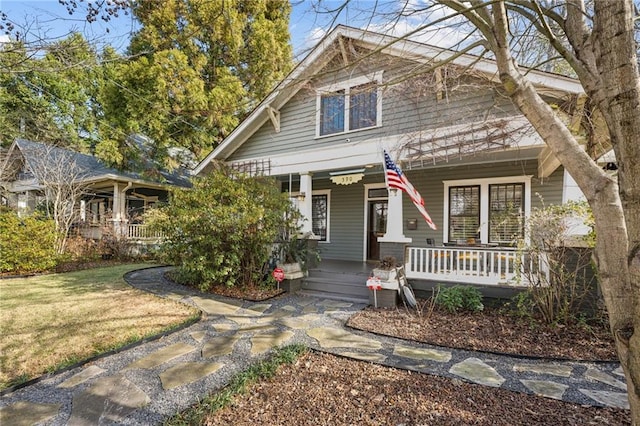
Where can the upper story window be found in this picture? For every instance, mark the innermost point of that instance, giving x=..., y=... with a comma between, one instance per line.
x=349, y=106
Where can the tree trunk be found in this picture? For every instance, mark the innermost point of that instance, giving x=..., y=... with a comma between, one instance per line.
x=619, y=100
x=616, y=210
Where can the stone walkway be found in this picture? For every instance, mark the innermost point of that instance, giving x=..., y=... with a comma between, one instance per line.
x=149, y=383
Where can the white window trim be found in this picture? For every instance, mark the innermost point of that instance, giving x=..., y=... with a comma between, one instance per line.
x=484, y=200
x=346, y=86
x=294, y=199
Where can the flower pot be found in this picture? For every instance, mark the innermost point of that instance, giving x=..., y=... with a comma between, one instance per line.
x=291, y=271
x=385, y=274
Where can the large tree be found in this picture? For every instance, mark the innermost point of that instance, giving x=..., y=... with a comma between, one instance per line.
x=49, y=93
x=597, y=42
x=199, y=67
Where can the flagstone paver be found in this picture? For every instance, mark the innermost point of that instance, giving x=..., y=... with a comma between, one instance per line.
x=214, y=307
x=187, y=372
x=335, y=304
x=23, y=413
x=260, y=307
x=107, y=399
x=224, y=327
x=162, y=355
x=603, y=377
x=611, y=399
x=198, y=336
x=545, y=388
x=331, y=337
x=257, y=328
x=241, y=319
x=305, y=301
x=263, y=342
x=422, y=354
x=309, y=309
x=552, y=369
x=302, y=322
x=477, y=371
x=88, y=373
x=371, y=357
x=219, y=346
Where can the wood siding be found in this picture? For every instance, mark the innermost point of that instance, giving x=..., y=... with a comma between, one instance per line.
x=408, y=105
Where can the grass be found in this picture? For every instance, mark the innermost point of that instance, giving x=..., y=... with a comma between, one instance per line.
x=49, y=322
x=238, y=385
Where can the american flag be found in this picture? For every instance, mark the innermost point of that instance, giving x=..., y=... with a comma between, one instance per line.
x=396, y=179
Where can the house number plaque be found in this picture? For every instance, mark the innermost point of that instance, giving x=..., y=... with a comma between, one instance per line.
x=347, y=179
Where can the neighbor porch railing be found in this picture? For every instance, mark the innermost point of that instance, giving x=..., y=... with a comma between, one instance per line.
x=489, y=266
x=142, y=233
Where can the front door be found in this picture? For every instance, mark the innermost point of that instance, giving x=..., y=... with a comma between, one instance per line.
x=377, y=219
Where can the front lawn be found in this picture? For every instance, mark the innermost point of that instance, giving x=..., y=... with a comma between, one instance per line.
x=52, y=321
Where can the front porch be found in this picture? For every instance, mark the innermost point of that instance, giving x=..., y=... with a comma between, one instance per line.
x=494, y=271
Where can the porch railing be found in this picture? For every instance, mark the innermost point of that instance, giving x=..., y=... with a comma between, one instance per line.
x=142, y=233
x=489, y=266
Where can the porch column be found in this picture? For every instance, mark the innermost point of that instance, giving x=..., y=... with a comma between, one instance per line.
x=394, y=233
x=304, y=202
x=119, y=207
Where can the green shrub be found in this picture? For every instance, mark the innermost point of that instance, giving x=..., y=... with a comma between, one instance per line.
x=27, y=244
x=222, y=230
x=456, y=298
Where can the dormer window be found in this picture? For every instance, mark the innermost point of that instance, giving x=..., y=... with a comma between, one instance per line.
x=350, y=106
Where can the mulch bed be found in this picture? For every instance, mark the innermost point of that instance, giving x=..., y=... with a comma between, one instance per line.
x=322, y=389
x=491, y=330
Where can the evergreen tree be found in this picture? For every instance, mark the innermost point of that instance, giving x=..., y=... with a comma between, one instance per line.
x=50, y=98
x=199, y=67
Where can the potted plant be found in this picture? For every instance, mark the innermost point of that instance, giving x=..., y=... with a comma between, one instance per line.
x=386, y=269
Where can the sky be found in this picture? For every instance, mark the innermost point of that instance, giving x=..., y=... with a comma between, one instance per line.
x=49, y=19
x=309, y=21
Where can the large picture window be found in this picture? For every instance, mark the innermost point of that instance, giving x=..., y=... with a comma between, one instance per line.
x=349, y=106
x=487, y=210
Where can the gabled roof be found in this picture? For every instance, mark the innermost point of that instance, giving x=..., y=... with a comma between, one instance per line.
x=324, y=51
x=90, y=167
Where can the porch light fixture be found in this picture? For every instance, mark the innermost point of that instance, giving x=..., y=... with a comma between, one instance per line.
x=301, y=196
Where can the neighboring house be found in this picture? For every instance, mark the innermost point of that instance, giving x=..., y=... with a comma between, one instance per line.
x=465, y=147
x=109, y=197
